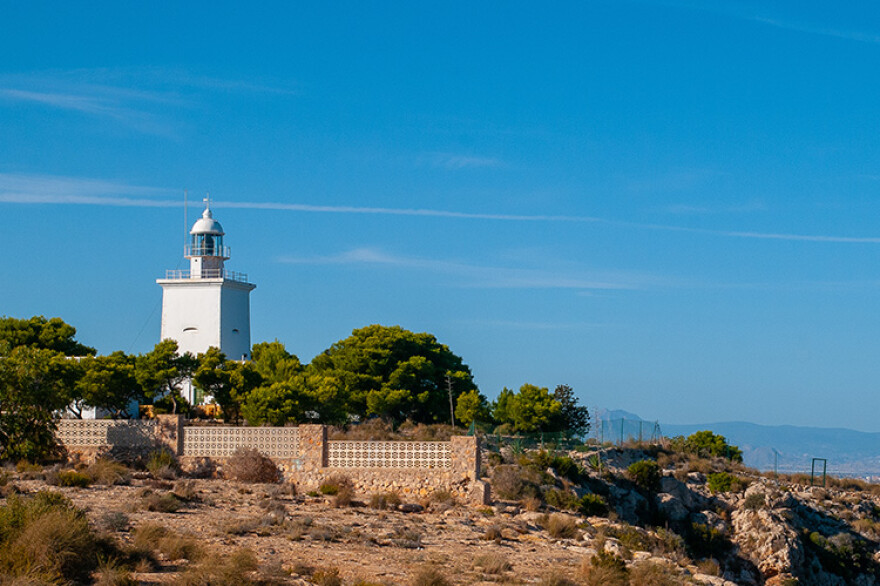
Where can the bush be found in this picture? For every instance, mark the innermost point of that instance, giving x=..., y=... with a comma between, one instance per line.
x=592, y=505
x=69, y=478
x=44, y=538
x=514, y=482
x=646, y=475
x=344, y=496
x=328, y=577
x=561, y=499
x=705, y=541
x=108, y=472
x=706, y=444
x=648, y=573
x=225, y=570
x=561, y=526
x=331, y=485
x=161, y=503
x=249, y=465
x=754, y=501
x=492, y=563
x=725, y=482
x=163, y=464
x=429, y=576
x=387, y=500
x=554, y=578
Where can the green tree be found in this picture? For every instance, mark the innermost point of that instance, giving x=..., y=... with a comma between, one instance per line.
x=531, y=409
x=38, y=332
x=395, y=373
x=34, y=383
x=472, y=406
x=227, y=381
x=705, y=444
x=107, y=382
x=501, y=407
x=275, y=404
x=161, y=372
x=274, y=363
x=572, y=418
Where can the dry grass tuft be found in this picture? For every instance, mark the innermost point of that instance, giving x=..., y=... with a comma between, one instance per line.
x=492, y=563
x=429, y=576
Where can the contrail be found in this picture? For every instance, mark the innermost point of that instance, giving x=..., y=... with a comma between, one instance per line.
x=122, y=201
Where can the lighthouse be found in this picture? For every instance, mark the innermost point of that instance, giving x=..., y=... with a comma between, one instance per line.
x=207, y=305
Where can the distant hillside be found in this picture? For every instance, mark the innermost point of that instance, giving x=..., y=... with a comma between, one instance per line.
x=848, y=452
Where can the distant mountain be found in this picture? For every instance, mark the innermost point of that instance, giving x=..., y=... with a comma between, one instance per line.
x=849, y=452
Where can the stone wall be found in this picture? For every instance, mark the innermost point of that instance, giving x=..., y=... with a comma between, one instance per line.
x=303, y=454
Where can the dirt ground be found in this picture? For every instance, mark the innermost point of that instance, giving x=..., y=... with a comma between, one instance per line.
x=293, y=534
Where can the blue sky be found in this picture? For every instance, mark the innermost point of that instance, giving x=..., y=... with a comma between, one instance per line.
x=670, y=206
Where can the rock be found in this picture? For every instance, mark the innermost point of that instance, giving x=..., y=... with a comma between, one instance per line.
x=766, y=538
x=671, y=507
x=410, y=508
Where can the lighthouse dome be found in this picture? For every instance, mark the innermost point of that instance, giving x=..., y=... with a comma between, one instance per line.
x=207, y=225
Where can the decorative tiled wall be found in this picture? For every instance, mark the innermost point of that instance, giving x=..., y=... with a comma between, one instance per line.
x=377, y=454
x=98, y=433
x=221, y=442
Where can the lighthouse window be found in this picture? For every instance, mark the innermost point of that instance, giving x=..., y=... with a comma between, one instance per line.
x=191, y=329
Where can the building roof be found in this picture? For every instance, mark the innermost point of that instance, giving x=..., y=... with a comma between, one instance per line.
x=207, y=224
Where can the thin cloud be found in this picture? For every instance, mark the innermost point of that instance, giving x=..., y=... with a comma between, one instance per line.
x=526, y=325
x=686, y=209
x=47, y=190
x=482, y=276
x=456, y=161
x=107, y=93
x=848, y=35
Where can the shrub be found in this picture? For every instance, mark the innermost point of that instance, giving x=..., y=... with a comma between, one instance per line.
x=706, y=444
x=113, y=521
x=249, y=465
x=492, y=563
x=592, y=505
x=646, y=475
x=108, y=472
x=709, y=567
x=507, y=481
x=429, y=576
x=163, y=464
x=166, y=502
x=493, y=533
x=328, y=577
x=648, y=573
x=69, y=478
x=344, y=496
x=387, y=500
x=706, y=541
x=554, y=578
x=606, y=569
x=331, y=485
x=754, y=501
x=44, y=538
x=561, y=499
x=226, y=570
x=560, y=526
x=721, y=481
x=110, y=573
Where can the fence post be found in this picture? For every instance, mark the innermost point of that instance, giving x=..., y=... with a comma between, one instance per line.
x=464, y=453
x=169, y=433
x=312, y=446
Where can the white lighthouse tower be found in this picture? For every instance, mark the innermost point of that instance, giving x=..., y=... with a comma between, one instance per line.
x=207, y=305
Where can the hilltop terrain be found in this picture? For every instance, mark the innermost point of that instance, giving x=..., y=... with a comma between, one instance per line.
x=620, y=516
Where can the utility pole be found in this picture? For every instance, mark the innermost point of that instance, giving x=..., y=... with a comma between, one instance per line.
x=451, y=408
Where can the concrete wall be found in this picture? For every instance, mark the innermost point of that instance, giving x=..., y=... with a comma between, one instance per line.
x=303, y=454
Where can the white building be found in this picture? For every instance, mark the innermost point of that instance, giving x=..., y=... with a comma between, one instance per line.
x=207, y=305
